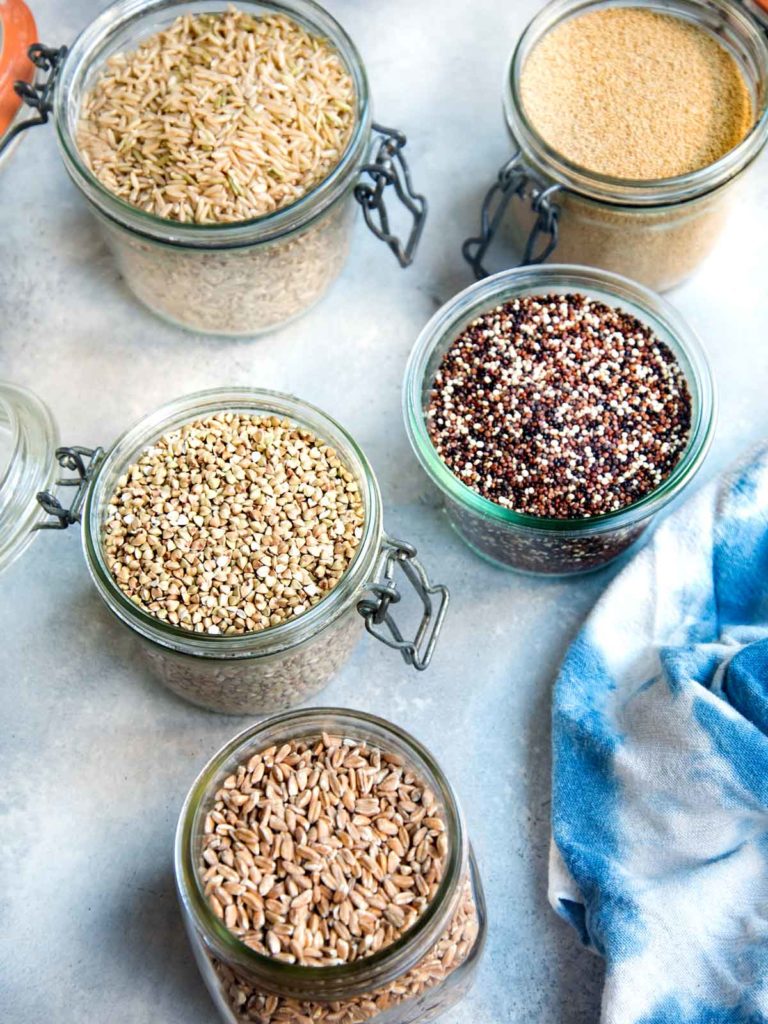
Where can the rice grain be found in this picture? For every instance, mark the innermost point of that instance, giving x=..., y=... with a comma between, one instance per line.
x=219, y=118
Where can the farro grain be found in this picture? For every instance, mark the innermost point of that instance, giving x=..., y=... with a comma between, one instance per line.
x=250, y=1005
x=312, y=835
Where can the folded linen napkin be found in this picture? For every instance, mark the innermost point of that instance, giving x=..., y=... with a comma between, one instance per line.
x=660, y=776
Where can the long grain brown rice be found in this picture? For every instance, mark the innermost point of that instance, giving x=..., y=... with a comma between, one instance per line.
x=219, y=118
x=232, y=524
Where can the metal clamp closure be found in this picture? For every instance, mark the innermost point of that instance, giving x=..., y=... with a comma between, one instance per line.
x=390, y=168
x=515, y=179
x=83, y=462
x=39, y=94
x=384, y=593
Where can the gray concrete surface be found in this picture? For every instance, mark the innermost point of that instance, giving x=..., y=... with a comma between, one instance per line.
x=96, y=757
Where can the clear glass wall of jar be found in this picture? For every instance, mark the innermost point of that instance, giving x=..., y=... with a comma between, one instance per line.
x=655, y=232
x=285, y=664
x=424, y=973
x=758, y=8
x=236, y=278
x=529, y=544
x=251, y=673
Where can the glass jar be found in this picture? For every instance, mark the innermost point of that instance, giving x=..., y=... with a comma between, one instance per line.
x=247, y=277
x=250, y=673
x=656, y=232
x=424, y=973
x=28, y=439
x=532, y=544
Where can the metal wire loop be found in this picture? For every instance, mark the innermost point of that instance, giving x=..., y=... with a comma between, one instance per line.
x=83, y=462
x=39, y=94
x=390, y=169
x=515, y=179
x=546, y=224
x=384, y=593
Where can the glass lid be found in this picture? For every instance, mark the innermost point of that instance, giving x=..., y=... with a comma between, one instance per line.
x=17, y=33
x=760, y=9
x=28, y=440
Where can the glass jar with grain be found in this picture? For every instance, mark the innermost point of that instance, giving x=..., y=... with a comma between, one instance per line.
x=634, y=127
x=224, y=149
x=324, y=873
x=557, y=410
x=237, y=533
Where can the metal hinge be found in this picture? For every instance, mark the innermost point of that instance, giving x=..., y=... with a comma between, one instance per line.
x=83, y=462
x=384, y=593
x=390, y=168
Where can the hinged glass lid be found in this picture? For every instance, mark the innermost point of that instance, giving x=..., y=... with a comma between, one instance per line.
x=760, y=10
x=17, y=33
x=28, y=440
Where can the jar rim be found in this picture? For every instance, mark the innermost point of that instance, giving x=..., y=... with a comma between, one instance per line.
x=613, y=289
x=91, y=47
x=273, y=639
x=369, y=971
x=627, y=191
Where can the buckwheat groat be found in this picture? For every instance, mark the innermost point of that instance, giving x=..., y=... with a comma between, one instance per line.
x=233, y=524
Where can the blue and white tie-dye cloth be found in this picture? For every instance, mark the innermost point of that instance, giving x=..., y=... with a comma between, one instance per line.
x=660, y=779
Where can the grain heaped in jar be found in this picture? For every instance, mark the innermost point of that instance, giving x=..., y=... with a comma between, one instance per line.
x=223, y=150
x=632, y=126
x=232, y=524
x=559, y=406
x=325, y=874
x=635, y=94
x=219, y=118
x=239, y=535
x=557, y=410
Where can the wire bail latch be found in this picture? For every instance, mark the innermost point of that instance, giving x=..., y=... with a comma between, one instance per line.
x=37, y=95
x=515, y=179
x=83, y=462
x=376, y=609
x=390, y=168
